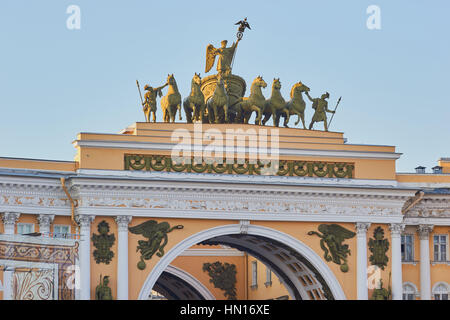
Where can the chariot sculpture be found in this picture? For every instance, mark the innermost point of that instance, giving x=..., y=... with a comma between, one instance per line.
x=220, y=98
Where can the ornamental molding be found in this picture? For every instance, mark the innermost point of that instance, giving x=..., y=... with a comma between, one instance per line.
x=431, y=207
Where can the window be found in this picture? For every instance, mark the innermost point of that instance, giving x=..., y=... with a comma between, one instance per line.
x=409, y=291
x=25, y=228
x=268, y=277
x=254, y=274
x=440, y=291
x=61, y=231
x=440, y=247
x=407, y=247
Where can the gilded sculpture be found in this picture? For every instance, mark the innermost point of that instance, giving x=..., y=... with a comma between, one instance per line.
x=156, y=233
x=254, y=103
x=332, y=238
x=378, y=245
x=223, y=276
x=194, y=105
x=149, y=102
x=220, y=98
x=225, y=60
x=217, y=104
x=296, y=106
x=103, y=243
x=171, y=102
x=320, y=106
x=275, y=105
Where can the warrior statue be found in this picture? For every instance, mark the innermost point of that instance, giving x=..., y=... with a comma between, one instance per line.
x=320, y=105
x=149, y=104
x=225, y=57
x=102, y=291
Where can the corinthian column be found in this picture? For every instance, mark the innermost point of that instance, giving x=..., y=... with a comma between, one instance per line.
x=45, y=220
x=122, y=257
x=84, y=222
x=9, y=222
x=424, y=231
x=9, y=226
x=396, y=252
x=361, y=257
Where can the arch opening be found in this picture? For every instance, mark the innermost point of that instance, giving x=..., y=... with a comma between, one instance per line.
x=304, y=274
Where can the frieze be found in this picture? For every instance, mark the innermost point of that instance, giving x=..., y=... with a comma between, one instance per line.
x=256, y=205
x=286, y=168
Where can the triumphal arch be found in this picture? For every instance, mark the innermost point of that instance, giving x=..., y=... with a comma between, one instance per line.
x=229, y=203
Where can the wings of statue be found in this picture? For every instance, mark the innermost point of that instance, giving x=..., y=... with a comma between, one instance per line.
x=210, y=57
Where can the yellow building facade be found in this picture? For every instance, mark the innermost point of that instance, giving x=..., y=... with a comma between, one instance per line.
x=331, y=220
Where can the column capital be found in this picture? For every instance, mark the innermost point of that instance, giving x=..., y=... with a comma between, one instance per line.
x=45, y=220
x=396, y=228
x=362, y=227
x=84, y=221
x=123, y=222
x=424, y=231
x=10, y=218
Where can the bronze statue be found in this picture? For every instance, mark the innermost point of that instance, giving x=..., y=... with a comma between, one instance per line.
x=331, y=242
x=156, y=233
x=217, y=104
x=225, y=57
x=194, y=105
x=320, y=105
x=149, y=104
x=171, y=102
x=296, y=105
x=379, y=246
x=275, y=105
x=102, y=291
x=254, y=103
x=242, y=25
x=103, y=243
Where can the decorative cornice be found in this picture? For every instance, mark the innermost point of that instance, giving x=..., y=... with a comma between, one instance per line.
x=123, y=222
x=111, y=144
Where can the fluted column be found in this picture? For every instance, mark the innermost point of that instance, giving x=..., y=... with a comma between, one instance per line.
x=424, y=231
x=45, y=221
x=396, y=259
x=84, y=222
x=122, y=257
x=9, y=226
x=361, y=257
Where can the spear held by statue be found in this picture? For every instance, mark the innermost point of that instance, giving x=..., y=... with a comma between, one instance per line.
x=334, y=112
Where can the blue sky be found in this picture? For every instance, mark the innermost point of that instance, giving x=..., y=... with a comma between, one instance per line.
x=56, y=82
